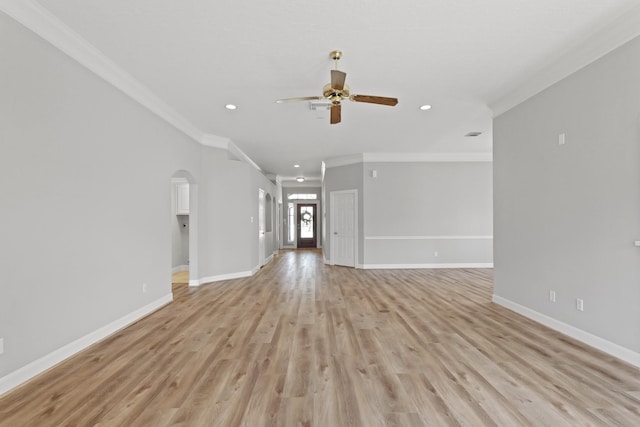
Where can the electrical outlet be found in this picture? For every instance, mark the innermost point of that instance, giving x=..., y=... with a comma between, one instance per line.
x=561, y=139
x=579, y=304
x=435, y=253
x=144, y=288
x=552, y=296
x=1, y=345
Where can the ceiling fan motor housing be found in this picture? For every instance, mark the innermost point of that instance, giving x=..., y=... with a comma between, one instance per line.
x=335, y=95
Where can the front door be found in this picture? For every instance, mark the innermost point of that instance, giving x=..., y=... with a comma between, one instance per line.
x=306, y=219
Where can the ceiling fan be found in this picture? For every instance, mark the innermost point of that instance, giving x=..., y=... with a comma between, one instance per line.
x=336, y=91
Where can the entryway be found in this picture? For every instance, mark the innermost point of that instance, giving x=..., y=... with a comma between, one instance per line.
x=306, y=225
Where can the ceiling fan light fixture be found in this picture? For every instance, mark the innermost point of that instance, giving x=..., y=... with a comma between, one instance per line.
x=300, y=179
x=337, y=91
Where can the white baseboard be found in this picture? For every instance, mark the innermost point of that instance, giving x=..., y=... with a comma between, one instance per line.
x=230, y=276
x=221, y=277
x=38, y=366
x=419, y=266
x=594, y=341
x=179, y=268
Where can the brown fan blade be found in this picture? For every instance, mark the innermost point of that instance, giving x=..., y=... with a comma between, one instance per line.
x=337, y=79
x=304, y=98
x=374, y=99
x=336, y=109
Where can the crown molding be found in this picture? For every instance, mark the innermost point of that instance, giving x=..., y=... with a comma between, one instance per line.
x=215, y=141
x=407, y=158
x=335, y=162
x=426, y=157
x=619, y=32
x=240, y=155
x=38, y=19
x=42, y=22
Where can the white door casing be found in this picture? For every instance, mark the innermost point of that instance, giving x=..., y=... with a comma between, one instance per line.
x=261, y=226
x=344, y=227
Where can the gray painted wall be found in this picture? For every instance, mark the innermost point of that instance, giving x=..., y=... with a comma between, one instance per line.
x=418, y=199
x=258, y=181
x=566, y=216
x=413, y=200
x=85, y=184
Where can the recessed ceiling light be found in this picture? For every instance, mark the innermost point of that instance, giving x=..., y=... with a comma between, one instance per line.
x=425, y=107
x=230, y=107
x=300, y=179
x=296, y=166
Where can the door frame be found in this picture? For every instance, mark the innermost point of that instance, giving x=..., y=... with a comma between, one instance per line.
x=194, y=279
x=261, y=226
x=315, y=221
x=355, y=224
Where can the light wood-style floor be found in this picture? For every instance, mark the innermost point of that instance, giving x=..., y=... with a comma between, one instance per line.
x=304, y=344
x=180, y=278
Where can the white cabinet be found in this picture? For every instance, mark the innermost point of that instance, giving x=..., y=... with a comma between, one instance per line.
x=182, y=198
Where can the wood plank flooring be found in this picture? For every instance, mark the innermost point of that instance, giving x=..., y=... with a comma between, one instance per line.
x=180, y=278
x=304, y=344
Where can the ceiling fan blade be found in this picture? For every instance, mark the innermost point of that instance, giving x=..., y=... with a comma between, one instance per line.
x=374, y=99
x=337, y=79
x=336, y=110
x=304, y=98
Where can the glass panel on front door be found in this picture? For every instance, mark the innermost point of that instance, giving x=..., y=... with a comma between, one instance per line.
x=306, y=220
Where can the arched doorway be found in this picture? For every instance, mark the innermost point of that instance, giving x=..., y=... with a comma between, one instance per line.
x=184, y=228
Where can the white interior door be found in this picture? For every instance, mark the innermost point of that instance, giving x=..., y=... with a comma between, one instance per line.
x=344, y=227
x=261, y=227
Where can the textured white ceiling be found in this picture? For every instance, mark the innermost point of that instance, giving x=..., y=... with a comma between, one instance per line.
x=459, y=56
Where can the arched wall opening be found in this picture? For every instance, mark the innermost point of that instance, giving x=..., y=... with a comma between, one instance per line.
x=184, y=225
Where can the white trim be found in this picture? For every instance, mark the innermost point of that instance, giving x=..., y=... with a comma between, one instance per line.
x=425, y=266
x=268, y=260
x=601, y=344
x=427, y=157
x=215, y=141
x=407, y=158
x=221, y=277
x=40, y=365
x=428, y=238
x=179, y=268
x=38, y=19
x=42, y=22
x=335, y=162
x=240, y=155
x=613, y=36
